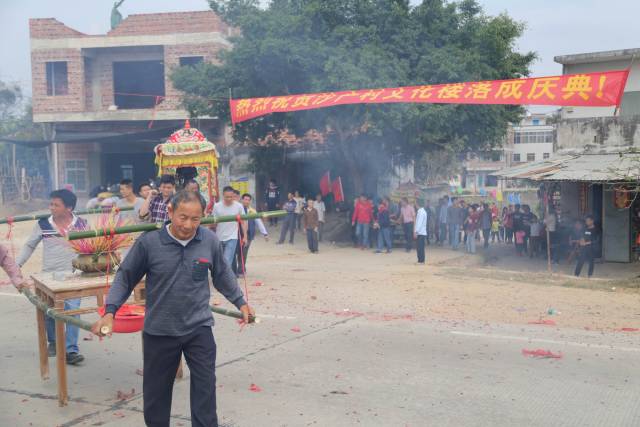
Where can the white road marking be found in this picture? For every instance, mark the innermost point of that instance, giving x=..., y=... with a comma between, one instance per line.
x=547, y=341
x=274, y=316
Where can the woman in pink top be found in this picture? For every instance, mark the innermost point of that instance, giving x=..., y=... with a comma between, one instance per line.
x=11, y=268
x=408, y=217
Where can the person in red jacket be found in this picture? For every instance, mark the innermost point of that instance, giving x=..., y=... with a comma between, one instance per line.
x=362, y=216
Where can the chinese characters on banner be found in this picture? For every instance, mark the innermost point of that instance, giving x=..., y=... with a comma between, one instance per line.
x=580, y=90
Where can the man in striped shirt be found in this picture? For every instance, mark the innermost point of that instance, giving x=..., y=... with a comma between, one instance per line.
x=56, y=257
x=154, y=208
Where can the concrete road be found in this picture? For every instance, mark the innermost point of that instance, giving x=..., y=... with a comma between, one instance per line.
x=343, y=370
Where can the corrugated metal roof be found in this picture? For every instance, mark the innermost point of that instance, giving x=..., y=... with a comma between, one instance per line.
x=579, y=167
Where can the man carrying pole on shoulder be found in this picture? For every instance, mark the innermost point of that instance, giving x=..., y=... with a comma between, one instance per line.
x=57, y=257
x=177, y=260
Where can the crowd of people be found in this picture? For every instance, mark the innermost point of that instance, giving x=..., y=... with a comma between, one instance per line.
x=149, y=205
x=454, y=222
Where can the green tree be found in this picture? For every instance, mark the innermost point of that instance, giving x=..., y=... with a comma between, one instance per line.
x=16, y=123
x=301, y=46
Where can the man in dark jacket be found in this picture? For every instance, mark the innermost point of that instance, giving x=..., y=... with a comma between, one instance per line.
x=383, y=222
x=177, y=260
x=272, y=197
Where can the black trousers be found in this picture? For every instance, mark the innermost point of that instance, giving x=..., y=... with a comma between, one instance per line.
x=407, y=227
x=239, y=267
x=312, y=240
x=486, y=233
x=271, y=205
x=161, y=358
x=420, y=247
x=586, y=255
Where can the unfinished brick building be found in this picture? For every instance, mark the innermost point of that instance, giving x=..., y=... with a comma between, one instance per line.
x=107, y=99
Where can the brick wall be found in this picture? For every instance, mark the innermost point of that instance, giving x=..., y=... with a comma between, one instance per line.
x=74, y=101
x=106, y=84
x=89, y=65
x=74, y=152
x=84, y=94
x=172, y=56
x=50, y=28
x=170, y=23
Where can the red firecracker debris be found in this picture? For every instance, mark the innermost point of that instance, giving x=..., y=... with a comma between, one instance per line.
x=121, y=395
x=543, y=354
x=629, y=329
x=295, y=329
x=118, y=414
x=254, y=388
x=548, y=322
x=257, y=283
x=139, y=372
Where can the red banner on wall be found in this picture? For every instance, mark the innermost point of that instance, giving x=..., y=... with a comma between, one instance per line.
x=579, y=90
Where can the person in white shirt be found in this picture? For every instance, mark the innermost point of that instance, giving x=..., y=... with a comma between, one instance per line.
x=129, y=200
x=420, y=232
x=228, y=232
x=299, y=206
x=535, y=237
x=319, y=205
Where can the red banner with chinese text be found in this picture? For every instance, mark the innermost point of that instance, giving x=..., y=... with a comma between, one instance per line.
x=578, y=90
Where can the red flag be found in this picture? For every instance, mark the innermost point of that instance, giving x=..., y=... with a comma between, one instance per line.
x=336, y=187
x=325, y=184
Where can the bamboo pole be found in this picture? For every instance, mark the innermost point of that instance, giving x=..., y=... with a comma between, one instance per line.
x=21, y=218
x=52, y=312
x=136, y=228
x=234, y=314
x=82, y=324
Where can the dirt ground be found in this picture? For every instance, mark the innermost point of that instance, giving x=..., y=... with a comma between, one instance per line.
x=452, y=286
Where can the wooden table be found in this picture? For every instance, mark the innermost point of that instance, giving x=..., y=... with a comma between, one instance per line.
x=54, y=293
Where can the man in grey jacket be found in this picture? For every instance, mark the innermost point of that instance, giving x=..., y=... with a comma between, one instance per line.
x=176, y=261
x=455, y=218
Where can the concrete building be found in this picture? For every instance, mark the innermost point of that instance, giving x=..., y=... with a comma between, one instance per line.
x=598, y=127
x=605, y=61
x=531, y=140
x=106, y=100
x=595, y=171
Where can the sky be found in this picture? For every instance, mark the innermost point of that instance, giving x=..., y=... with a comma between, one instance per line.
x=554, y=27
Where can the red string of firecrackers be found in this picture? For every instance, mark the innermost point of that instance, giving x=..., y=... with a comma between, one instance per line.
x=155, y=109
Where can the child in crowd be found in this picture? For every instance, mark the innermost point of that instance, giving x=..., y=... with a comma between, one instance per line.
x=536, y=233
x=495, y=229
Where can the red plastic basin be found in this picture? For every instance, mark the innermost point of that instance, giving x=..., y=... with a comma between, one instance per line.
x=128, y=319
